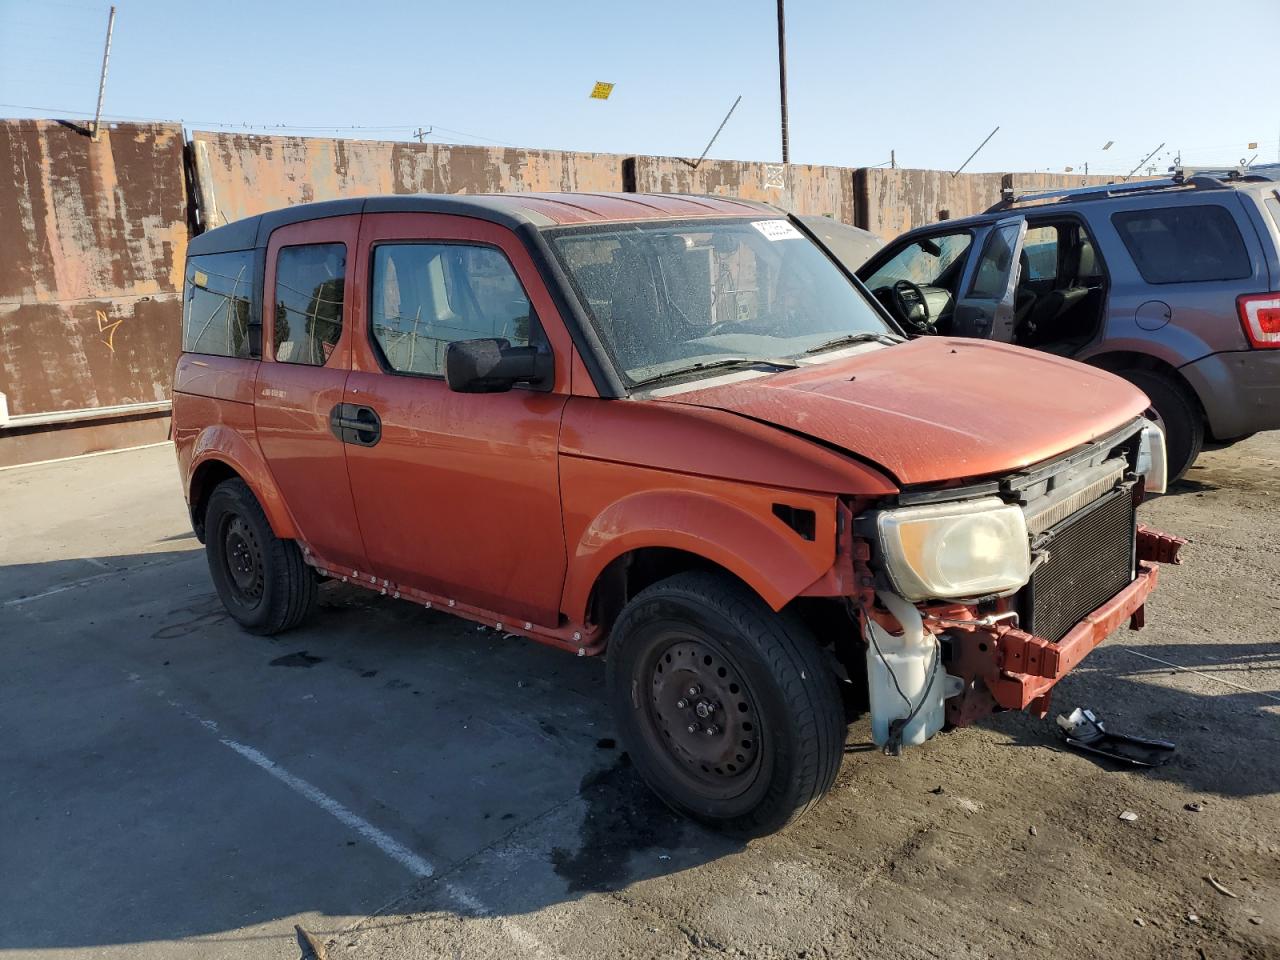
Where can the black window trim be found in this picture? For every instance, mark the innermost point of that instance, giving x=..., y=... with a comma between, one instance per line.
x=346, y=253
x=257, y=263
x=1206, y=203
x=535, y=321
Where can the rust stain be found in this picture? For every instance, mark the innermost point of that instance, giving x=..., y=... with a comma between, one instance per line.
x=93, y=239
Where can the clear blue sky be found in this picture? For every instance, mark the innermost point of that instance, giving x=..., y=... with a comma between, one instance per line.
x=928, y=79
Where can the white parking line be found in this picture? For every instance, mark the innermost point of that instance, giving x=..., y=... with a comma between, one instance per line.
x=415, y=864
x=93, y=578
x=392, y=848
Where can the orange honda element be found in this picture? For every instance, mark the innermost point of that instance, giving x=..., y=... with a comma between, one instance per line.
x=672, y=430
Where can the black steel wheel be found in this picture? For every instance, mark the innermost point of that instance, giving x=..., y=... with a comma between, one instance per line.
x=702, y=713
x=262, y=580
x=727, y=708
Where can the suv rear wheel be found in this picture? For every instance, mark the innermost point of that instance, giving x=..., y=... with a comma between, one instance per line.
x=261, y=579
x=1177, y=415
x=727, y=708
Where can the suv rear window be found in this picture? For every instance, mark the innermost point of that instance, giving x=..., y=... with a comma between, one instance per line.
x=217, y=300
x=1184, y=244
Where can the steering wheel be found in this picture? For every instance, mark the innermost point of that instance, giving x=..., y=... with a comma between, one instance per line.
x=905, y=311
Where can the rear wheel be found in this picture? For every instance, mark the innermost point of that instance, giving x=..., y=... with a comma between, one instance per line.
x=261, y=579
x=1176, y=413
x=727, y=708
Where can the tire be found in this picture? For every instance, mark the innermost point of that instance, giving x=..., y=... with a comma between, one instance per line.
x=770, y=744
x=261, y=579
x=1177, y=413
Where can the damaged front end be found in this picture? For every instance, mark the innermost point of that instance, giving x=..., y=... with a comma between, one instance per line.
x=982, y=598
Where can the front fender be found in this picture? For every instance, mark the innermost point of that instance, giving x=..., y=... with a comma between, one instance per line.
x=221, y=443
x=732, y=526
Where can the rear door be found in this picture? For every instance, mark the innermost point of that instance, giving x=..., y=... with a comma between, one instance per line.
x=460, y=497
x=986, y=308
x=306, y=356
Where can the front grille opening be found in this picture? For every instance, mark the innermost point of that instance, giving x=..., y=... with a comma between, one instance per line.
x=1091, y=559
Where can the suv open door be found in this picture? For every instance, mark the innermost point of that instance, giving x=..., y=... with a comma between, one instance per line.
x=987, y=308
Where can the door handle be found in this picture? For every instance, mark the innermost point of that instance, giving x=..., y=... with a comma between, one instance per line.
x=357, y=424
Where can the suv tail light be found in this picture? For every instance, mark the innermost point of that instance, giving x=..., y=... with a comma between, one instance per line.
x=1260, y=317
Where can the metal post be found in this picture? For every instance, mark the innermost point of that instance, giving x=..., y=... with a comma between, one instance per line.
x=975, y=153
x=717, y=133
x=102, y=81
x=1177, y=162
x=893, y=160
x=782, y=77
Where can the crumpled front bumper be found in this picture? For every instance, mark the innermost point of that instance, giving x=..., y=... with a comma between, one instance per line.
x=1004, y=667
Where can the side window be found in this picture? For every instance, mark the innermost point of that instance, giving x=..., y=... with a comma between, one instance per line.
x=427, y=295
x=308, y=320
x=1041, y=250
x=923, y=262
x=991, y=280
x=1184, y=244
x=217, y=303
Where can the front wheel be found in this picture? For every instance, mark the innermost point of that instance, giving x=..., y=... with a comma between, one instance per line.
x=727, y=708
x=261, y=579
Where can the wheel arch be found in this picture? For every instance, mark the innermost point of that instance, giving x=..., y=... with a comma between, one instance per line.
x=1117, y=361
x=225, y=455
x=668, y=532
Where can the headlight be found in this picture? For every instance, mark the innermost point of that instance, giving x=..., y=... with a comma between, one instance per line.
x=1151, y=459
x=972, y=549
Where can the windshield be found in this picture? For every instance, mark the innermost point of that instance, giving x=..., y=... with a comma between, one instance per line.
x=667, y=298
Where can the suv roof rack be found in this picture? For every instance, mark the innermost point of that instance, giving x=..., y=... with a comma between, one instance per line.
x=1181, y=178
x=1010, y=197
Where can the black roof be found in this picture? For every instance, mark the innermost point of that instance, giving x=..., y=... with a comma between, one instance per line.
x=511, y=210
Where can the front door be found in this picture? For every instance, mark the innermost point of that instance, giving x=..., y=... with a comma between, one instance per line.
x=306, y=355
x=986, y=310
x=460, y=495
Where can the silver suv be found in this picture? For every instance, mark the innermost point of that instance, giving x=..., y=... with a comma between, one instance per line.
x=1173, y=284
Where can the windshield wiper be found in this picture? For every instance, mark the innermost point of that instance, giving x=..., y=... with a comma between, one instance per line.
x=782, y=363
x=849, y=338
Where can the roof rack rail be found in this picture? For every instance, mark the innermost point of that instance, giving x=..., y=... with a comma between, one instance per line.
x=1010, y=197
x=1256, y=173
x=1181, y=178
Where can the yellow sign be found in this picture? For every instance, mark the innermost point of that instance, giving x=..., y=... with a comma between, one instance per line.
x=1253, y=146
x=601, y=91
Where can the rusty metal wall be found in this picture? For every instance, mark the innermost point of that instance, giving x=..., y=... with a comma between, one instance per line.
x=797, y=187
x=237, y=175
x=893, y=201
x=92, y=239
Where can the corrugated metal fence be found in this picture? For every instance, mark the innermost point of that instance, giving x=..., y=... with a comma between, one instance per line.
x=93, y=235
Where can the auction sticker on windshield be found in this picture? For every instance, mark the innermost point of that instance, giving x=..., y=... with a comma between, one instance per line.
x=777, y=230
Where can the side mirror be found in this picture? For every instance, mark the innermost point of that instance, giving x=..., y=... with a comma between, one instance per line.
x=492, y=365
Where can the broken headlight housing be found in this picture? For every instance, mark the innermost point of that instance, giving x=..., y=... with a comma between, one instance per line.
x=1152, y=463
x=977, y=548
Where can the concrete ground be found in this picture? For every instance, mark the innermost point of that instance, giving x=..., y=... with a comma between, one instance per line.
x=398, y=783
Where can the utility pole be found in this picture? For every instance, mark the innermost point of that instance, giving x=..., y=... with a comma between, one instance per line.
x=102, y=81
x=893, y=160
x=423, y=134
x=782, y=76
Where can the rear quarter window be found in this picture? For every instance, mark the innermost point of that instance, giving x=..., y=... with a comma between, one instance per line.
x=217, y=304
x=1184, y=244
